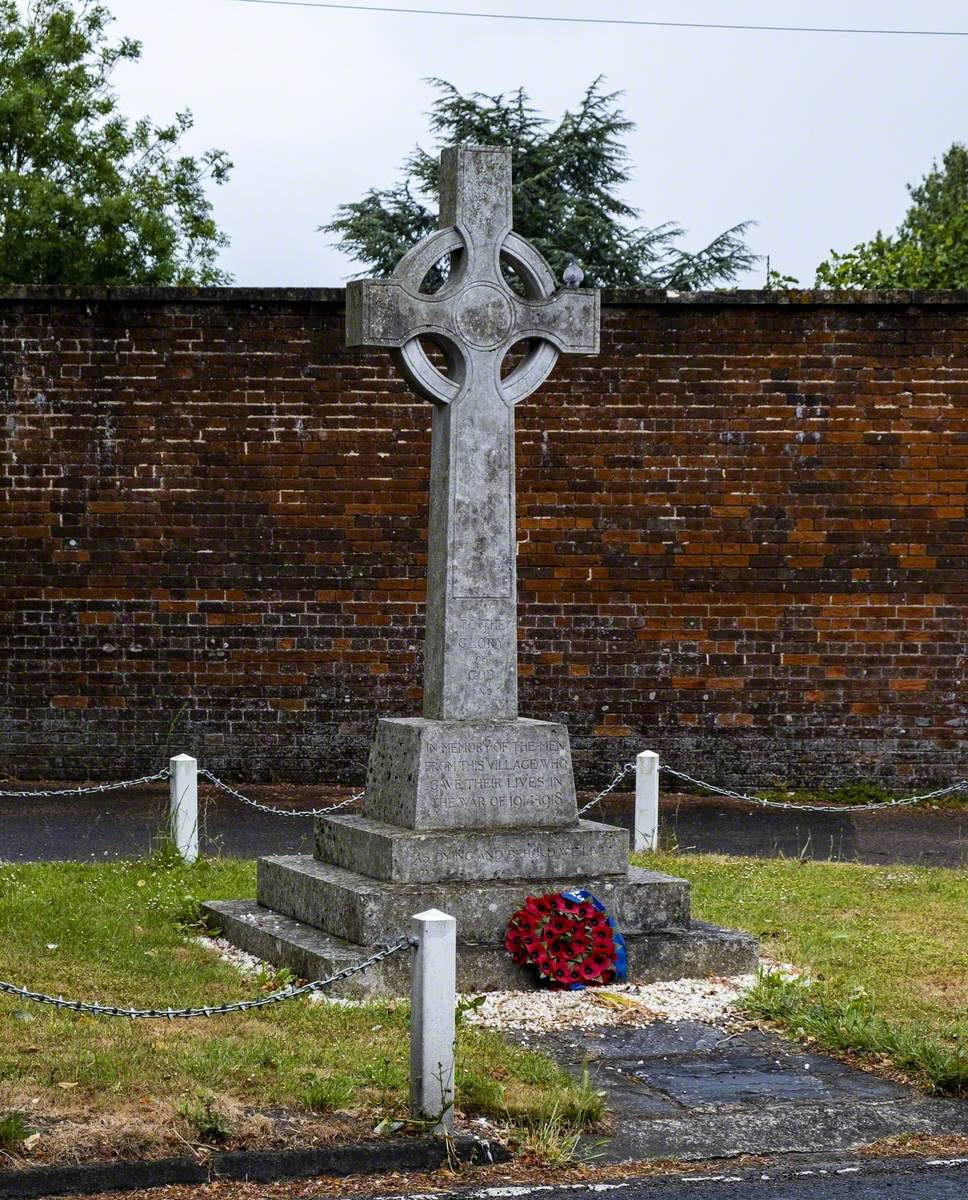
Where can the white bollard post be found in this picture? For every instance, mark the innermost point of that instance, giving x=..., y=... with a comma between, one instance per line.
x=183, y=805
x=433, y=1023
x=646, y=802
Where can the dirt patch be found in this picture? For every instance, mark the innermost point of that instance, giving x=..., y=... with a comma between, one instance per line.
x=153, y=1129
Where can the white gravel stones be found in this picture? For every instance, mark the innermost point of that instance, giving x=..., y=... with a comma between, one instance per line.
x=711, y=1001
x=708, y=1000
x=246, y=964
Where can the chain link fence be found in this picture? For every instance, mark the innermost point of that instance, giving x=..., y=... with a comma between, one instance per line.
x=268, y=808
x=714, y=789
x=90, y=789
x=790, y=805
x=404, y=942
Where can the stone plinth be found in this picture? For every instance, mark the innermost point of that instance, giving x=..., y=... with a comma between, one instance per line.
x=368, y=911
x=427, y=775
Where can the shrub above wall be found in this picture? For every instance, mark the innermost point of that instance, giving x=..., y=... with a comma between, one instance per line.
x=742, y=535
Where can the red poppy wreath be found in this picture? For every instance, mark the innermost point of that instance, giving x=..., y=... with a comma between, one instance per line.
x=568, y=938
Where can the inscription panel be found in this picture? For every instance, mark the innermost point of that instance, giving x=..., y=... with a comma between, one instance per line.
x=476, y=775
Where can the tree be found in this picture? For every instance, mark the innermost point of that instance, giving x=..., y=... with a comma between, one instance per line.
x=565, y=196
x=85, y=195
x=929, y=248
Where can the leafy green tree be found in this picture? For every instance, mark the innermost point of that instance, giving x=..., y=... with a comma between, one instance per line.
x=85, y=195
x=929, y=248
x=566, y=180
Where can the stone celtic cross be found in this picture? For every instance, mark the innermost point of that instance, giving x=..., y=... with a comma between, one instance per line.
x=474, y=319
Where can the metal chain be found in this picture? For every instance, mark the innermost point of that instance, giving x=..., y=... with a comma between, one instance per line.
x=623, y=771
x=404, y=942
x=267, y=808
x=164, y=773
x=961, y=785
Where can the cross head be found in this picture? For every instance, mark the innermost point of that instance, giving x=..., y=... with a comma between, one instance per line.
x=474, y=320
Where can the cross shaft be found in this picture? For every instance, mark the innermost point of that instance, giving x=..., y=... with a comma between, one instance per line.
x=470, y=669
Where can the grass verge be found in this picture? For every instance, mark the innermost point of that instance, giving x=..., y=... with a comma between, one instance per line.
x=124, y=933
x=886, y=949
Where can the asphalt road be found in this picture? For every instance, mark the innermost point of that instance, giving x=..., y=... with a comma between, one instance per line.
x=902, y=1179
x=124, y=824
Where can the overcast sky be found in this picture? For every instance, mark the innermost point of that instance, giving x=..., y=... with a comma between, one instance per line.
x=812, y=135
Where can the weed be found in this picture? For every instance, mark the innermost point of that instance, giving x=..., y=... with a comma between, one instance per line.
x=814, y=1010
x=554, y=1133
x=205, y=1117
x=553, y=1140
x=328, y=1093
x=13, y=1131
x=274, y=979
x=468, y=1004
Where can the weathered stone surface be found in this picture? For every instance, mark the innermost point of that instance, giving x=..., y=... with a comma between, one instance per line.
x=470, y=774
x=690, y=1091
x=470, y=658
x=388, y=852
x=363, y=910
x=696, y=951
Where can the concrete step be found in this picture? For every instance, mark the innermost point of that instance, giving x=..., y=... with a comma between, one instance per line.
x=693, y=952
x=393, y=853
x=366, y=911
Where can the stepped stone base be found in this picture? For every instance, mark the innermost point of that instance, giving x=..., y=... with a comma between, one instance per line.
x=692, y=952
x=470, y=817
x=390, y=853
x=367, y=911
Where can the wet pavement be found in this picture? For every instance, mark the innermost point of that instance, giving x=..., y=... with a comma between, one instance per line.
x=125, y=824
x=690, y=1091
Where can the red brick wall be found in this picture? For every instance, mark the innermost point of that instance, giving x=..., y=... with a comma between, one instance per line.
x=743, y=536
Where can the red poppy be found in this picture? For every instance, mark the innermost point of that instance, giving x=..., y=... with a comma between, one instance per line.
x=567, y=941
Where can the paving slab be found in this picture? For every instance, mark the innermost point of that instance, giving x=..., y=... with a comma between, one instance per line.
x=687, y=1090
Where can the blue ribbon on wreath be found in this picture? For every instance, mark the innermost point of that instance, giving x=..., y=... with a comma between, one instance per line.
x=584, y=896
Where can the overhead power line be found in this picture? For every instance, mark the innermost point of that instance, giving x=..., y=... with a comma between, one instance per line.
x=496, y=16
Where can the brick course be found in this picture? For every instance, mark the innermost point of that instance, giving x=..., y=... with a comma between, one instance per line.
x=742, y=535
